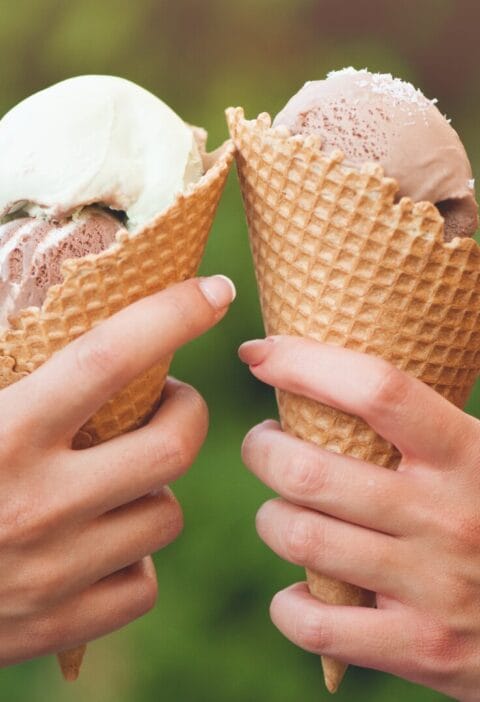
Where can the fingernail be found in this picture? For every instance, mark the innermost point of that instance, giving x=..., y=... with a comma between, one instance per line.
x=219, y=290
x=255, y=351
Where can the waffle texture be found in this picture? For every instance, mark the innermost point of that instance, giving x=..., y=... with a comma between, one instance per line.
x=339, y=261
x=70, y=662
x=166, y=251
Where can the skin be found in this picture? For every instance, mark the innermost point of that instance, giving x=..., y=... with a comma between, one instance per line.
x=412, y=536
x=77, y=527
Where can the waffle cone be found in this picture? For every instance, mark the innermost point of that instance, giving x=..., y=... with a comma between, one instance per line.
x=166, y=251
x=339, y=261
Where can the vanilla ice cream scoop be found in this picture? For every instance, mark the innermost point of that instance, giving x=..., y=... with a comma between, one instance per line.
x=375, y=117
x=95, y=140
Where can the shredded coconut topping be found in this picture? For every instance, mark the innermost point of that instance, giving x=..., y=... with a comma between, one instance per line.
x=385, y=84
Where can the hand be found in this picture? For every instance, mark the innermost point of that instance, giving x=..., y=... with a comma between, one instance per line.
x=412, y=536
x=76, y=526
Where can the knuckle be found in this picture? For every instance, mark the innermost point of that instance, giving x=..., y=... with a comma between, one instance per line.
x=47, y=634
x=312, y=633
x=460, y=530
x=184, y=313
x=19, y=595
x=466, y=532
x=25, y=522
x=388, y=387
x=167, y=453
x=440, y=651
x=305, y=476
x=181, y=452
x=387, y=558
x=300, y=544
x=45, y=586
x=462, y=599
x=94, y=354
x=176, y=450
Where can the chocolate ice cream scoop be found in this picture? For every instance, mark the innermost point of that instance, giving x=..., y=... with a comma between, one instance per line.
x=375, y=117
x=32, y=251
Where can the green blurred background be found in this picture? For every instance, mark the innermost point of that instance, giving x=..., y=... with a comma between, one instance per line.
x=210, y=638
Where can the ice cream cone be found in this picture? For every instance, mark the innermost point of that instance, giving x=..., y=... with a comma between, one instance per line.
x=339, y=261
x=166, y=251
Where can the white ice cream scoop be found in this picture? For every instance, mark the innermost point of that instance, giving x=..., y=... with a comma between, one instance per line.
x=94, y=139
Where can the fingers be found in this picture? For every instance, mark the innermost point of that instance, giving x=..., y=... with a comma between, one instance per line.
x=71, y=386
x=381, y=639
x=334, y=548
x=121, y=470
x=418, y=421
x=106, y=606
x=123, y=537
x=82, y=554
x=338, y=485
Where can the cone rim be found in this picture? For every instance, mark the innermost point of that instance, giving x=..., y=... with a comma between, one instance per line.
x=262, y=126
x=217, y=161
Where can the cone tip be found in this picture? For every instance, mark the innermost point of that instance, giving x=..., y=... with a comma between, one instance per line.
x=333, y=672
x=70, y=663
x=70, y=674
x=331, y=685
